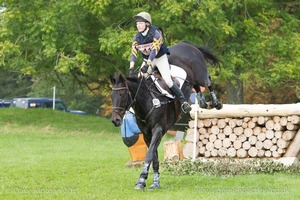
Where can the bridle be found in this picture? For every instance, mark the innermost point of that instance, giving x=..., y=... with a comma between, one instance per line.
x=118, y=109
x=132, y=100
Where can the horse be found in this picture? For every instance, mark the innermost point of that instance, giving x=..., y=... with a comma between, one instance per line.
x=156, y=113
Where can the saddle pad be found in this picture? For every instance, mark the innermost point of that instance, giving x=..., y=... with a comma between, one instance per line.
x=178, y=73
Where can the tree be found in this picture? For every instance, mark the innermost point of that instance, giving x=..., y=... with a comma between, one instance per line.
x=55, y=43
x=264, y=52
x=13, y=85
x=86, y=41
x=258, y=41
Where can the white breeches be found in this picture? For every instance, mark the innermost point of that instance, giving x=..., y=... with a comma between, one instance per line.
x=163, y=66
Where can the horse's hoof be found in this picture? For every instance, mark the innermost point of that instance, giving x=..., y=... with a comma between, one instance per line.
x=154, y=186
x=219, y=106
x=139, y=186
x=204, y=106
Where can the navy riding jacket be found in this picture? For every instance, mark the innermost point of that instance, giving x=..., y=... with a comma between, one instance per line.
x=151, y=46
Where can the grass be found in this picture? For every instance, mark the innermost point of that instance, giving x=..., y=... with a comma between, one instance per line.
x=47, y=154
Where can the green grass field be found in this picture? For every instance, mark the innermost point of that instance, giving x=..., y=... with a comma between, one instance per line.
x=47, y=154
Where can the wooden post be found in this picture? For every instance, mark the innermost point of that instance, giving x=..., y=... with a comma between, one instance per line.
x=251, y=110
x=173, y=150
x=288, y=135
x=294, y=147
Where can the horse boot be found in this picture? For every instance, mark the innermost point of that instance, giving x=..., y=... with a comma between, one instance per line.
x=201, y=100
x=185, y=106
x=155, y=184
x=140, y=184
x=215, y=102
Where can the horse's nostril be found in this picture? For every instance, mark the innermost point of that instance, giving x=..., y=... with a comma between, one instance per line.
x=116, y=122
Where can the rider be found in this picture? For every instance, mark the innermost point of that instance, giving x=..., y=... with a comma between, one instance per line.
x=150, y=43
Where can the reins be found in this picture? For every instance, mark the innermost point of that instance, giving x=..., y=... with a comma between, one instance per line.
x=133, y=100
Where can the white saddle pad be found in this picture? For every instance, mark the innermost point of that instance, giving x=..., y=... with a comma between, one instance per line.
x=178, y=73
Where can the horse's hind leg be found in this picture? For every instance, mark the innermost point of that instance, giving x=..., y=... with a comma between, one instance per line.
x=200, y=97
x=215, y=103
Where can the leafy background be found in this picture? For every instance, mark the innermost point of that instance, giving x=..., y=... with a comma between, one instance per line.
x=76, y=45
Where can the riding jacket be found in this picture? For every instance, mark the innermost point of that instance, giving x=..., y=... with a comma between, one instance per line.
x=151, y=46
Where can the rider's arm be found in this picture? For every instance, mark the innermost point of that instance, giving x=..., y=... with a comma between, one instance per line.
x=156, y=44
x=134, y=53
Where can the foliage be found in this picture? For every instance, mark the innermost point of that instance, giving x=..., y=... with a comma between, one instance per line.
x=258, y=41
x=14, y=85
x=53, y=43
x=228, y=167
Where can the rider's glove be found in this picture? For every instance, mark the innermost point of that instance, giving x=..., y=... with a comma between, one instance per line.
x=131, y=71
x=149, y=62
x=144, y=69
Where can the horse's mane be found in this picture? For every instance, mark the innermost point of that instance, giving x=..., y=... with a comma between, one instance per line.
x=120, y=76
x=133, y=79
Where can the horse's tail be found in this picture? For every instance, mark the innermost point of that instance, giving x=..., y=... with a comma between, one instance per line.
x=208, y=56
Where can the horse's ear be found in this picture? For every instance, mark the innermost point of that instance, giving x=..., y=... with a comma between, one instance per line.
x=112, y=79
x=121, y=78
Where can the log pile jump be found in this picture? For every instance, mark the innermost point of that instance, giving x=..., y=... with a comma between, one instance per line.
x=245, y=131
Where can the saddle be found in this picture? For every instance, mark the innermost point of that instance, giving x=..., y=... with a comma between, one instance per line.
x=178, y=76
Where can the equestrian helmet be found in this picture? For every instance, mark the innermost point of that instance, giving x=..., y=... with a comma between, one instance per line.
x=143, y=17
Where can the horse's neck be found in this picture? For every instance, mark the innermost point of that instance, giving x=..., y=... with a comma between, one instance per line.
x=140, y=94
x=133, y=87
x=143, y=105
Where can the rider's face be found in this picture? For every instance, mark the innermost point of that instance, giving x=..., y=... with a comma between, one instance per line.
x=141, y=26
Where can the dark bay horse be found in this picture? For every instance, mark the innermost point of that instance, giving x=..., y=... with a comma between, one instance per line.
x=154, y=119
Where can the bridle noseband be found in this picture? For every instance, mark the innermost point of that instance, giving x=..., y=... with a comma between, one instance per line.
x=115, y=109
x=132, y=100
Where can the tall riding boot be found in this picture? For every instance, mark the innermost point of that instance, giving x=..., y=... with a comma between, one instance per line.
x=180, y=96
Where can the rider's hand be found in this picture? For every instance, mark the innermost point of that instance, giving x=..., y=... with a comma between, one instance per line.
x=131, y=71
x=149, y=62
x=144, y=69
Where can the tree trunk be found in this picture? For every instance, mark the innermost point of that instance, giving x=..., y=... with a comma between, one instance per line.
x=234, y=91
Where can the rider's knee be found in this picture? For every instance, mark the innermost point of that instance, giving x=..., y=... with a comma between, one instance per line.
x=169, y=83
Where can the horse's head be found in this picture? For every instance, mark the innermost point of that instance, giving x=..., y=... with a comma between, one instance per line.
x=120, y=97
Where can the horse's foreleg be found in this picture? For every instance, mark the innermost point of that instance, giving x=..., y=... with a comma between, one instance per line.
x=141, y=183
x=156, y=178
x=150, y=156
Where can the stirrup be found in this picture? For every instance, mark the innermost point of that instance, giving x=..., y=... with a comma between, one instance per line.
x=185, y=107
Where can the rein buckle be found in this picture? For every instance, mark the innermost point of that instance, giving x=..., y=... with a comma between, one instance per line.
x=156, y=103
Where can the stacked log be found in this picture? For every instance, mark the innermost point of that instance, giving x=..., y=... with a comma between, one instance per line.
x=242, y=137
